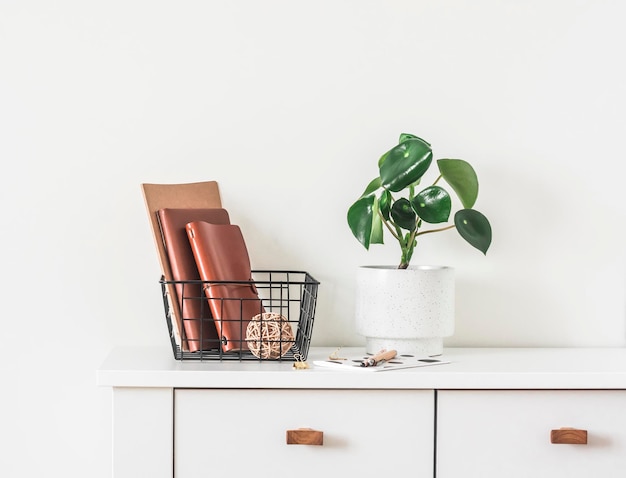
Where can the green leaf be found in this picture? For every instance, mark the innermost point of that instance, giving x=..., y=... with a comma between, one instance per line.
x=474, y=227
x=377, y=225
x=433, y=204
x=382, y=159
x=405, y=136
x=405, y=163
x=460, y=175
x=360, y=219
x=371, y=187
x=403, y=214
x=385, y=204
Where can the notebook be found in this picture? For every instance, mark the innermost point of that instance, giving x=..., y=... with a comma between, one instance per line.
x=198, y=329
x=221, y=254
x=186, y=195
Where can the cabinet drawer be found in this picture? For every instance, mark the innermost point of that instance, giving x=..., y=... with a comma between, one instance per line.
x=487, y=434
x=243, y=432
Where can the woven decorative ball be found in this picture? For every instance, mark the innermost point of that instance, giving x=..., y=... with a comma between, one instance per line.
x=269, y=335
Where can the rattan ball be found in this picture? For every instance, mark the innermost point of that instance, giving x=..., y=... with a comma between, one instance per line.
x=269, y=335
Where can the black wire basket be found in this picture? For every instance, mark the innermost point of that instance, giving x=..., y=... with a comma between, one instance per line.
x=269, y=317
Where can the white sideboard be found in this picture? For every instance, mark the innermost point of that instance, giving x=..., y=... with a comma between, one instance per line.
x=490, y=412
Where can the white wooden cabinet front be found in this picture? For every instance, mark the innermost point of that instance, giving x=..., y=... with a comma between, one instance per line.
x=243, y=433
x=488, y=413
x=507, y=433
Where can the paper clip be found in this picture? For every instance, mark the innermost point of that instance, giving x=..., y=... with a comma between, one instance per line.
x=299, y=364
x=334, y=355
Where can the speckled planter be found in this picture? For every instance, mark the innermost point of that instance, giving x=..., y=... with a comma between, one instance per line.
x=409, y=310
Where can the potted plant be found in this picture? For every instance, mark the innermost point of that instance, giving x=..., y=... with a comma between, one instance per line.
x=411, y=308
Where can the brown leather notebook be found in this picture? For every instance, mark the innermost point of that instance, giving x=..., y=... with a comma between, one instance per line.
x=221, y=255
x=186, y=195
x=199, y=332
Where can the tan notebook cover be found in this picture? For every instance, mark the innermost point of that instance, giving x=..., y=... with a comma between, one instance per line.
x=185, y=195
x=199, y=330
x=221, y=255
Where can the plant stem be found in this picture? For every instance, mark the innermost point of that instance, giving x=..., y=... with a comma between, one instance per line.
x=388, y=226
x=436, y=230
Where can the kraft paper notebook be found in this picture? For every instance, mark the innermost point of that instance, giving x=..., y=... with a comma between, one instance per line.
x=186, y=195
x=199, y=332
x=221, y=255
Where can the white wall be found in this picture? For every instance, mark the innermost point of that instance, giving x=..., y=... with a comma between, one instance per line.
x=288, y=105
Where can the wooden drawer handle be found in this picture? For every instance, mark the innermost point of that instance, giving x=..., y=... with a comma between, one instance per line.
x=305, y=436
x=568, y=436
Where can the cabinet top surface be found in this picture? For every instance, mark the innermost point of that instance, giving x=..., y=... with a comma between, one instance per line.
x=468, y=368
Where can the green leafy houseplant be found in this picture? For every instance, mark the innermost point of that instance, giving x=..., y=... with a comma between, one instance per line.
x=393, y=200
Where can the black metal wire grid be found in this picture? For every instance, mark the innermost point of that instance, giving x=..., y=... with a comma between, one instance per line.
x=292, y=294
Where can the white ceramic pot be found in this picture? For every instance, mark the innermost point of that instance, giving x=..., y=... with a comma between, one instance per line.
x=408, y=310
